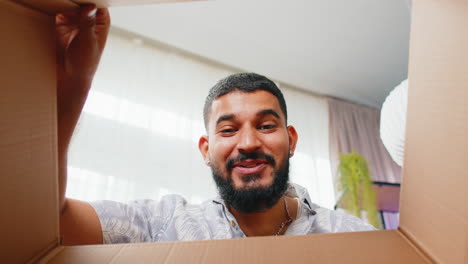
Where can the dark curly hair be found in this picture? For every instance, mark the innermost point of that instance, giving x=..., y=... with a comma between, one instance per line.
x=244, y=82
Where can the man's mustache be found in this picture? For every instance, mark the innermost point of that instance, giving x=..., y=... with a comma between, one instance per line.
x=251, y=155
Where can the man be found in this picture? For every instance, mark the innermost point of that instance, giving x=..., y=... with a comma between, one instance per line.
x=248, y=146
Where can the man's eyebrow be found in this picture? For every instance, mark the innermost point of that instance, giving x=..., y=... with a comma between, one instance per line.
x=224, y=118
x=268, y=112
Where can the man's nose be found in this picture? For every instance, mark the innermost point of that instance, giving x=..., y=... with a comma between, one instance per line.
x=248, y=141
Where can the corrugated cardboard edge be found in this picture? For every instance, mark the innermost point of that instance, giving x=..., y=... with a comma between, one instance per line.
x=417, y=248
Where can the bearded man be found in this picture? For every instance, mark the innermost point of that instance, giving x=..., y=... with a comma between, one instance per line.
x=247, y=146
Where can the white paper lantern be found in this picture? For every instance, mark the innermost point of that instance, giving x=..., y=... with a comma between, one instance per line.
x=393, y=122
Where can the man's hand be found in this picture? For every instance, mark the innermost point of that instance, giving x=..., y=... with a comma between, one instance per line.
x=81, y=37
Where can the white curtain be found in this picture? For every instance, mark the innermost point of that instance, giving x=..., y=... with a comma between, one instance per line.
x=137, y=137
x=310, y=166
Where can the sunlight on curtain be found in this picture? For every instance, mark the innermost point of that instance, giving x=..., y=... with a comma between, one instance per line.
x=138, y=134
x=310, y=166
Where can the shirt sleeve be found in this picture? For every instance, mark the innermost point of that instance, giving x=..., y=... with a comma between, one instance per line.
x=136, y=221
x=122, y=222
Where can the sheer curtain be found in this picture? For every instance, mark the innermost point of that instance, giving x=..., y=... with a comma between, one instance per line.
x=310, y=166
x=137, y=137
x=356, y=128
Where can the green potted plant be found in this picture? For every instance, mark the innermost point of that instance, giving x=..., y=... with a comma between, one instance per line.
x=358, y=193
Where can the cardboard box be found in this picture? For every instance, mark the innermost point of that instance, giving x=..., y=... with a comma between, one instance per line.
x=434, y=215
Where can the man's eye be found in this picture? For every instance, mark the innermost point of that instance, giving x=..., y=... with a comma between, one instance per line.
x=266, y=127
x=228, y=130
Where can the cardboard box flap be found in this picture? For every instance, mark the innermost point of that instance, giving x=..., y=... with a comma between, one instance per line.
x=434, y=216
x=28, y=198
x=50, y=6
x=129, y=2
x=433, y=200
x=360, y=247
x=56, y=6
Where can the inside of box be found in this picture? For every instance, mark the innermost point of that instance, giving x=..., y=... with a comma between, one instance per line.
x=433, y=215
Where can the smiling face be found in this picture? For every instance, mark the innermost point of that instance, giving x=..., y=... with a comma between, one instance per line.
x=248, y=147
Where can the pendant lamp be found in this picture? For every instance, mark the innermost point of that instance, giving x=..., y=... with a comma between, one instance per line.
x=393, y=122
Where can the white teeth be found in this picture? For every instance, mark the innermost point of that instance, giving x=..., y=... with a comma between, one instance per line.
x=250, y=165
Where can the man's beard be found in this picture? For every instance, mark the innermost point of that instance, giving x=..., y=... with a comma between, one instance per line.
x=252, y=199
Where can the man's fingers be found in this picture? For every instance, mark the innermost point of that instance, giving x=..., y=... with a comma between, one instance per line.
x=102, y=26
x=87, y=9
x=68, y=18
x=102, y=16
x=87, y=17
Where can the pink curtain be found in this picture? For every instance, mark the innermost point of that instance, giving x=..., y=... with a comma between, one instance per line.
x=356, y=128
x=391, y=219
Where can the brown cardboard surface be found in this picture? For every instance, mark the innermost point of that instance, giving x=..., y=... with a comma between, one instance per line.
x=28, y=194
x=362, y=247
x=433, y=199
x=466, y=248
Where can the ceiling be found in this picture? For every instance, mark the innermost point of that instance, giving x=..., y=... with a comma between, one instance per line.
x=354, y=50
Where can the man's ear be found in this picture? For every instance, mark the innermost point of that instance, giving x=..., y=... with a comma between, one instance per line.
x=293, y=137
x=203, y=147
